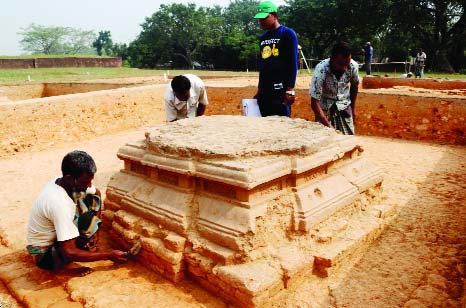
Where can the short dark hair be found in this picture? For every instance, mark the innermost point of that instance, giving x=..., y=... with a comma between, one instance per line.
x=180, y=84
x=76, y=163
x=341, y=48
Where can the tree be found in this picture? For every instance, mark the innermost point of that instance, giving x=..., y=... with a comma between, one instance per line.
x=397, y=27
x=321, y=23
x=78, y=41
x=437, y=26
x=176, y=32
x=227, y=37
x=39, y=39
x=241, y=34
x=120, y=50
x=103, y=42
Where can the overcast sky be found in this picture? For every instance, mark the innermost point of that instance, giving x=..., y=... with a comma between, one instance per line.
x=122, y=18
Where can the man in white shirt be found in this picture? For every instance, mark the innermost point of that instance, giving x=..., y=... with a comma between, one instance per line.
x=185, y=97
x=420, y=63
x=53, y=237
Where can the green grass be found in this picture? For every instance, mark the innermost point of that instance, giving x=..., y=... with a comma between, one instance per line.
x=69, y=74
x=426, y=75
x=18, y=76
x=446, y=76
x=15, y=76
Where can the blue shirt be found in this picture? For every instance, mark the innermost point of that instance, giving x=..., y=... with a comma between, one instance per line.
x=368, y=53
x=278, y=60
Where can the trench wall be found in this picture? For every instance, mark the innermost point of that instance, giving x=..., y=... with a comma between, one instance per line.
x=37, y=123
x=60, y=62
x=39, y=90
x=426, y=83
x=439, y=118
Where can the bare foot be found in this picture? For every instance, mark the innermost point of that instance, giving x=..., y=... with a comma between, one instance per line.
x=76, y=271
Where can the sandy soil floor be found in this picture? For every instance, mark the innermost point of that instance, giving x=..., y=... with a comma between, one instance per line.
x=419, y=261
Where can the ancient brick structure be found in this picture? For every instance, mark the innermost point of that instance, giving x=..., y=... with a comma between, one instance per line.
x=248, y=207
x=60, y=62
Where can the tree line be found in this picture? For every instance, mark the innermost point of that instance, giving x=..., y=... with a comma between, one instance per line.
x=187, y=35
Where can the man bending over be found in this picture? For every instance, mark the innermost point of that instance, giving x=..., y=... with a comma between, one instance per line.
x=334, y=89
x=185, y=97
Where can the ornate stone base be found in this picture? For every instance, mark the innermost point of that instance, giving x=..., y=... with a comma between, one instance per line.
x=248, y=207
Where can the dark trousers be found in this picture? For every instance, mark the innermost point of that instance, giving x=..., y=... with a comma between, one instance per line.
x=368, y=67
x=270, y=105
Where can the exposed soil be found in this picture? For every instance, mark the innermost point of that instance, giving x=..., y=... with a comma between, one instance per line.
x=420, y=91
x=419, y=260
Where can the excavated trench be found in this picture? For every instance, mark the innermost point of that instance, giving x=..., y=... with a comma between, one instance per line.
x=386, y=107
x=41, y=90
x=391, y=109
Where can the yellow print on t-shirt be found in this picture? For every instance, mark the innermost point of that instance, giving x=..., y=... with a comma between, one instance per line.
x=274, y=51
x=268, y=52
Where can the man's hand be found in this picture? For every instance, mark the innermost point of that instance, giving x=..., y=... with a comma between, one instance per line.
x=319, y=113
x=118, y=256
x=289, y=99
x=200, y=110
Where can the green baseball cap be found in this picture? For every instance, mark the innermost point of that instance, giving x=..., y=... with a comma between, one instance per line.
x=265, y=8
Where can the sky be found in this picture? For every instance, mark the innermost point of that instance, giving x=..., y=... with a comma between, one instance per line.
x=121, y=18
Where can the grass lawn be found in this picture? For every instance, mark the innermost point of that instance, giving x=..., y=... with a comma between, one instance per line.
x=15, y=76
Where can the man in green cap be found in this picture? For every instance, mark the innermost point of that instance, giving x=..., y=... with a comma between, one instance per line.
x=278, y=63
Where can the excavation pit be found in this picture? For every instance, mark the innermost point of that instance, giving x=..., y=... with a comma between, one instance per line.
x=42, y=90
x=247, y=207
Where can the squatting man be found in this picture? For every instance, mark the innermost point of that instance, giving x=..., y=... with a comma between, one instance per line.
x=64, y=219
x=185, y=97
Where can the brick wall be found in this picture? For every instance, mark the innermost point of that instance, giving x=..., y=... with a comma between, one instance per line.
x=16, y=63
x=60, y=62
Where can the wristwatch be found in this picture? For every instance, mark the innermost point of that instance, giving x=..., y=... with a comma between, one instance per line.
x=290, y=92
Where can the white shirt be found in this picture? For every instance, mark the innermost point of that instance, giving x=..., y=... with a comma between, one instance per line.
x=421, y=57
x=176, y=109
x=51, y=217
x=329, y=90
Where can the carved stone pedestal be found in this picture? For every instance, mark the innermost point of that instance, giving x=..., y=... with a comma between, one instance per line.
x=248, y=207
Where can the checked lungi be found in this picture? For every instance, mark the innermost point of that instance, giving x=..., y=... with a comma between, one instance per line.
x=87, y=221
x=341, y=120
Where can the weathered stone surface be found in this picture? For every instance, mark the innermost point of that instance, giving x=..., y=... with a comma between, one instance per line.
x=46, y=297
x=174, y=242
x=249, y=278
x=250, y=210
x=238, y=137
